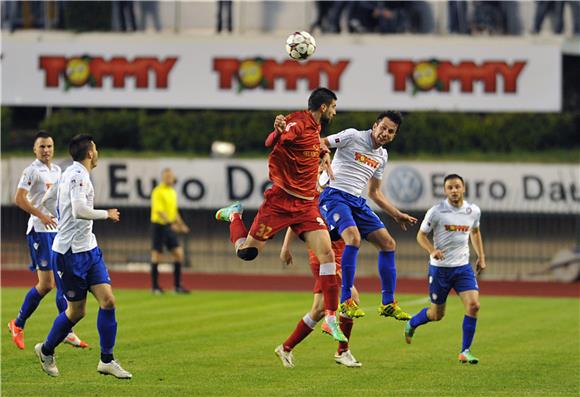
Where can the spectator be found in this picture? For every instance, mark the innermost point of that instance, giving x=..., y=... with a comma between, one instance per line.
x=457, y=17
x=322, y=9
x=224, y=6
x=556, y=8
x=335, y=14
x=127, y=16
x=149, y=8
x=496, y=17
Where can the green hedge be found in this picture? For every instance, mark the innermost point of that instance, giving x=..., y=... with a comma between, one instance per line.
x=194, y=131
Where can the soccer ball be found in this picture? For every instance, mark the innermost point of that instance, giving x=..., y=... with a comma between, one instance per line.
x=300, y=45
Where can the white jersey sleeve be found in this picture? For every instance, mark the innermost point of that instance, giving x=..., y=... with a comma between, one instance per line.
x=430, y=221
x=477, y=212
x=28, y=178
x=341, y=139
x=79, y=196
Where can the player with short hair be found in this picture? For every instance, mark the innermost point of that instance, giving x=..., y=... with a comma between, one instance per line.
x=307, y=324
x=80, y=259
x=33, y=184
x=166, y=222
x=291, y=201
x=359, y=161
x=453, y=222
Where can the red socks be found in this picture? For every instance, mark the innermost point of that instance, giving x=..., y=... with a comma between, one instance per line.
x=346, y=327
x=237, y=228
x=302, y=331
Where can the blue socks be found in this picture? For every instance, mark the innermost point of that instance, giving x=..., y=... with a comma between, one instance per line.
x=60, y=329
x=348, y=270
x=419, y=318
x=107, y=326
x=31, y=302
x=469, y=324
x=388, y=273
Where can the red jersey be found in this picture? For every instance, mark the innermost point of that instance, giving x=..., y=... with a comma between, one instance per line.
x=293, y=163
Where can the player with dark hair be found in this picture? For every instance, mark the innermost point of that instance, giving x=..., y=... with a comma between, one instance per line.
x=453, y=222
x=359, y=161
x=33, y=184
x=291, y=201
x=80, y=259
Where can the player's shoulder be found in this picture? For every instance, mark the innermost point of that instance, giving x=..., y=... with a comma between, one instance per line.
x=439, y=208
x=56, y=167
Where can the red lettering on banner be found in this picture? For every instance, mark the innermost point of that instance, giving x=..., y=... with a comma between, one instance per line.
x=118, y=68
x=268, y=71
x=465, y=72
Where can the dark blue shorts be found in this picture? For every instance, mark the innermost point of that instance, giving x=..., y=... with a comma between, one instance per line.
x=442, y=279
x=40, y=247
x=342, y=210
x=80, y=271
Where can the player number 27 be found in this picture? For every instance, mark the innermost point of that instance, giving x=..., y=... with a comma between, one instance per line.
x=264, y=231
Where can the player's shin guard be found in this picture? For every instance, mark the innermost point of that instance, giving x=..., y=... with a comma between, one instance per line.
x=348, y=271
x=304, y=327
x=237, y=229
x=31, y=302
x=60, y=329
x=329, y=287
x=346, y=325
x=469, y=324
x=107, y=327
x=388, y=274
x=61, y=303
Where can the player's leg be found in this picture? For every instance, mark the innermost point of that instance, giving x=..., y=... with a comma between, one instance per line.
x=238, y=231
x=344, y=355
x=100, y=285
x=176, y=251
x=348, y=308
x=439, y=286
x=466, y=286
x=156, y=250
x=319, y=242
x=41, y=256
x=386, y=245
x=304, y=328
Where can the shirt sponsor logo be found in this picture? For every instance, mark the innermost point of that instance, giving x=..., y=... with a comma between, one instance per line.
x=457, y=228
x=361, y=158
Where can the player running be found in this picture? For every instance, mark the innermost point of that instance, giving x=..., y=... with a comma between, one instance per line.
x=290, y=202
x=453, y=222
x=359, y=161
x=307, y=324
x=34, y=182
x=80, y=259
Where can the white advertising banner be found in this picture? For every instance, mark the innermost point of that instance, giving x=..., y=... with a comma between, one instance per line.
x=213, y=183
x=254, y=72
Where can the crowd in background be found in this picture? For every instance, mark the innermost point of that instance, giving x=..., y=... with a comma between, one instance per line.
x=380, y=17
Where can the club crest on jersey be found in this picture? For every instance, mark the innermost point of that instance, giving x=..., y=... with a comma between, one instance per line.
x=361, y=158
x=457, y=228
x=468, y=210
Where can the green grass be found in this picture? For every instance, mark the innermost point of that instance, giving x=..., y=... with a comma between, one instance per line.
x=221, y=344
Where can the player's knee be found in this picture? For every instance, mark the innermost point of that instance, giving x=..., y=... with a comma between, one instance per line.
x=390, y=244
x=436, y=316
x=247, y=254
x=44, y=288
x=473, y=308
x=108, y=303
x=75, y=314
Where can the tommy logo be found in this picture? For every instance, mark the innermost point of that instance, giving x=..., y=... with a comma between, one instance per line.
x=361, y=158
x=457, y=228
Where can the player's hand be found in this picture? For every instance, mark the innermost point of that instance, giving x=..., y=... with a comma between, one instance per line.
x=184, y=228
x=114, y=215
x=437, y=254
x=405, y=220
x=280, y=123
x=480, y=266
x=48, y=221
x=285, y=257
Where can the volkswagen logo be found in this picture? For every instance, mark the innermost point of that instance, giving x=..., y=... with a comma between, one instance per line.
x=405, y=184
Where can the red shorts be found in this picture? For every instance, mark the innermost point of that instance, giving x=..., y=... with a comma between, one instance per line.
x=338, y=248
x=280, y=210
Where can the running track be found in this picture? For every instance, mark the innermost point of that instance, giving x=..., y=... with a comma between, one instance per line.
x=236, y=282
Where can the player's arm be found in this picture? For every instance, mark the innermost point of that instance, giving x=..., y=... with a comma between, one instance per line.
x=425, y=243
x=21, y=200
x=279, y=126
x=377, y=195
x=477, y=242
x=49, y=200
x=182, y=227
x=81, y=208
x=285, y=253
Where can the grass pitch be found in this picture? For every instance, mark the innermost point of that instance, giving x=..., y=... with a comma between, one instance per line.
x=221, y=344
